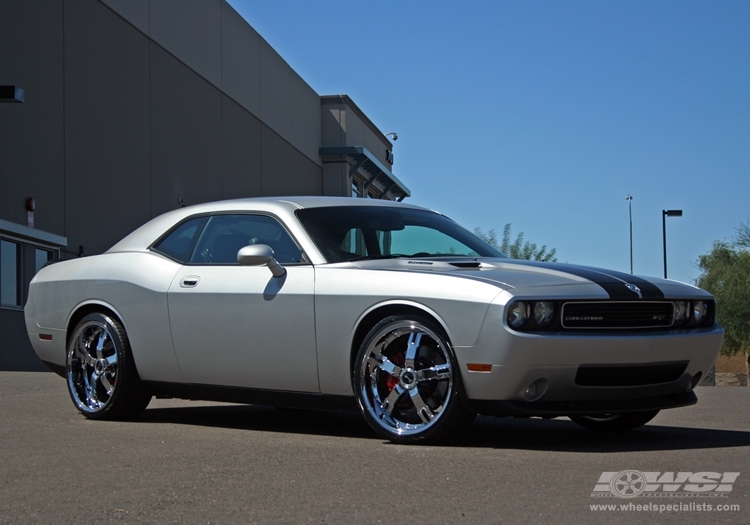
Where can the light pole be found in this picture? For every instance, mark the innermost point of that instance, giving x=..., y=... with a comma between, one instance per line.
x=664, y=215
x=629, y=198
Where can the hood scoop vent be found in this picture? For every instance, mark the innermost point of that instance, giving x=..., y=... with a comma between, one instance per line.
x=472, y=264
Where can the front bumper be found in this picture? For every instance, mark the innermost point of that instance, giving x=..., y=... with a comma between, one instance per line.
x=551, y=361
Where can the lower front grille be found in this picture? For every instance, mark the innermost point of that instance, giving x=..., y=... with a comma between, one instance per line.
x=630, y=375
x=614, y=315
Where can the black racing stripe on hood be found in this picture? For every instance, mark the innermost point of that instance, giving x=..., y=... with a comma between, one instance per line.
x=613, y=282
x=648, y=289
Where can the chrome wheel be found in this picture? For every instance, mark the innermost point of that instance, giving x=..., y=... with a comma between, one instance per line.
x=92, y=366
x=406, y=382
x=101, y=376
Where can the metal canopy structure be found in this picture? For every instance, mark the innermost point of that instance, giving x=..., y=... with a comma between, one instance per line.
x=365, y=160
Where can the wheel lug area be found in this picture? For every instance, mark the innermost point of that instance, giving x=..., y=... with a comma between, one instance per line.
x=408, y=378
x=100, y=366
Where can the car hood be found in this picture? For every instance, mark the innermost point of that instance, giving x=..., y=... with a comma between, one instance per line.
x=535, y=278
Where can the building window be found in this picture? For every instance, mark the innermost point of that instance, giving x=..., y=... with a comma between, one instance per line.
x=19, y=262
x=41, y=257
x=357, y=186
x=10, y=275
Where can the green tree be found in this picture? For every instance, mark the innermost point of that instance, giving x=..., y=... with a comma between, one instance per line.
x=743, y=235
x=725, y=272
x=517, y=249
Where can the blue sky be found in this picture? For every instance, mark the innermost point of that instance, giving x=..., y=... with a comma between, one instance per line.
x=547, y=114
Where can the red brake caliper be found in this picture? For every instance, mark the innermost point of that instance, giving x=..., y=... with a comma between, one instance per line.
x=392, y=381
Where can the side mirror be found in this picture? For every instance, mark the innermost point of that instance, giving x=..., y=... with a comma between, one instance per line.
x=259, y=255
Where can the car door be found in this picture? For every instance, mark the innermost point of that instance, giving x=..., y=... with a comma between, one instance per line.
x=238, y=325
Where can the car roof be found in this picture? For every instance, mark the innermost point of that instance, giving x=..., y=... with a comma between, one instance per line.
x=282, y=207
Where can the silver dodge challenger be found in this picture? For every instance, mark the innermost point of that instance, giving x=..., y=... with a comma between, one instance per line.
x=317, y=302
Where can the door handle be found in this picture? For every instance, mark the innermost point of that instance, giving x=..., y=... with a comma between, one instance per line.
x=191, y=281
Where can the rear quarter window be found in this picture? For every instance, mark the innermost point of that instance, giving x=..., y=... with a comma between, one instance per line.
x=180, y=242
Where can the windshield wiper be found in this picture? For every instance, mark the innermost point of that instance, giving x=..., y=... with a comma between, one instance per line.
x=418, y=255
x=378, y=257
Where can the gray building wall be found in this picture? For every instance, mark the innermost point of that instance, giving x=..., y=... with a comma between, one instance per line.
x=133, y=107
x=344, y=125
x=32, y=147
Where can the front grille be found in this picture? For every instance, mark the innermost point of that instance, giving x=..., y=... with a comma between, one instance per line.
x=614, y=315
x=630, y=375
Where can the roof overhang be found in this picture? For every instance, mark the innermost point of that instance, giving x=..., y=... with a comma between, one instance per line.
x=378, y=171
x=25, y=233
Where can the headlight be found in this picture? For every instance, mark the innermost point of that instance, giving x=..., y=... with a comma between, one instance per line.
x=518, y=313
x=700, y=311
x=543, y=311
x=681, y=312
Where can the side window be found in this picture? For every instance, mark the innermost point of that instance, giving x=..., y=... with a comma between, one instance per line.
x=224, y=235
x=179, y=244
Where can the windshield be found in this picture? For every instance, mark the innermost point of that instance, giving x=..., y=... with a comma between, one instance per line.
x=348, y=233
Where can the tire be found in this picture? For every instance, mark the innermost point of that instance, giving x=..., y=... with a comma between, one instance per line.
x=407, y=383
x=102, y=379
x=614, y=422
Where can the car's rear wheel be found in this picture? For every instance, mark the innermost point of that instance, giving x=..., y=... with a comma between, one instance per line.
x=407, y=383
x=614, y=422
x=102, y=379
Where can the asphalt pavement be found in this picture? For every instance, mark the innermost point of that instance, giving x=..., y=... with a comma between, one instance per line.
x=186, y=462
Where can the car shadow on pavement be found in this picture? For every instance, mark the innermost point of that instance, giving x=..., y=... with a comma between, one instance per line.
x=486, y=432
x=340, y=423
x=565, y=436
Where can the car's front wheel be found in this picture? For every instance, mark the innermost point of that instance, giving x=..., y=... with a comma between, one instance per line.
x=407, y=383
x=102, y=379
x=614, y=422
